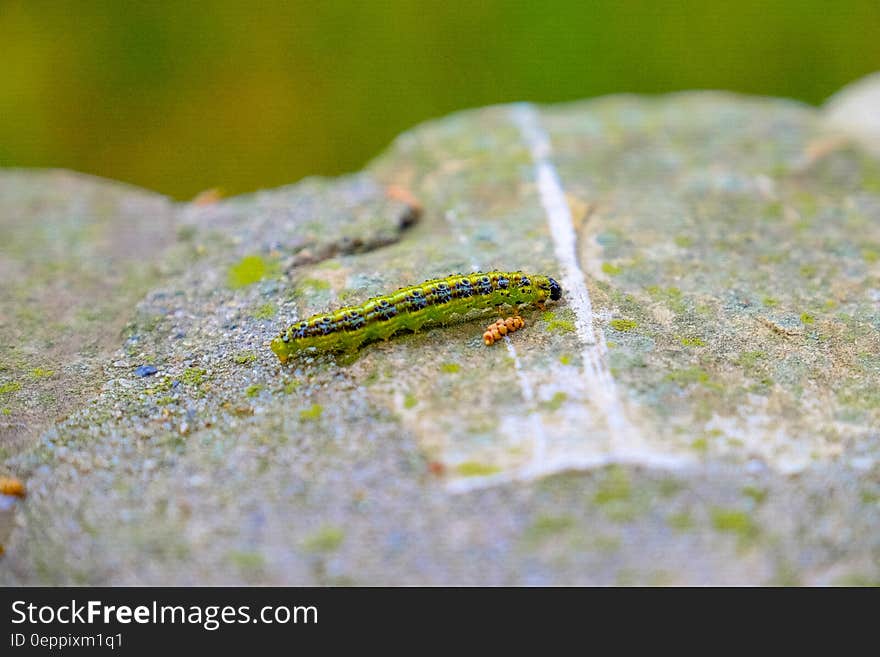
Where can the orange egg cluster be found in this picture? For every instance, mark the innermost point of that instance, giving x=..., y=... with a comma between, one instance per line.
x=11, y=486
x=502, y=327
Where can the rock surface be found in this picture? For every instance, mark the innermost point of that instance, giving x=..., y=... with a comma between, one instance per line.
x=701, y=407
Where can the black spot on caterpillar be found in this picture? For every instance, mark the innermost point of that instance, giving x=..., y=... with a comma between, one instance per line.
x=434, y=301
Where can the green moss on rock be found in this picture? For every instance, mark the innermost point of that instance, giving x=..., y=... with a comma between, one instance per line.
x=11, y=386
x=249, y=270
x=475, y=469
x=326, y=539
x=623, y=325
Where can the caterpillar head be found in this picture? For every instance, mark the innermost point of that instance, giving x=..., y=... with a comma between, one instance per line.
x=548, y=288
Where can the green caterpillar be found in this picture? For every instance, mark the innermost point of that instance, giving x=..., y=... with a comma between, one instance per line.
x=434, y=301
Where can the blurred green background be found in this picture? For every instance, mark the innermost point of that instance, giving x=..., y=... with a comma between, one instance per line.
x=184, y=96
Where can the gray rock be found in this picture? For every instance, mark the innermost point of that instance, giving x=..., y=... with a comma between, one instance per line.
x=701, y=407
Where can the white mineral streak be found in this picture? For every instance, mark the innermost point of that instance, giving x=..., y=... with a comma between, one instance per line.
x=606, y=436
